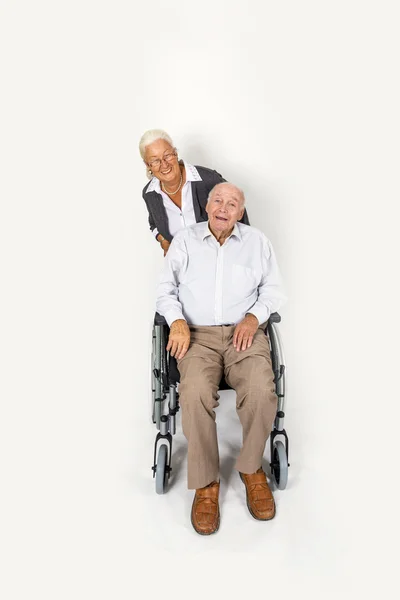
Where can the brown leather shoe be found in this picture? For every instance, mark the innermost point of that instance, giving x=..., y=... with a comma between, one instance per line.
x=260, y=500
x=205, y=509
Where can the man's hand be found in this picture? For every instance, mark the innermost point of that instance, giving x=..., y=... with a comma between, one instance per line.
x=179, y=338
x=244, y=332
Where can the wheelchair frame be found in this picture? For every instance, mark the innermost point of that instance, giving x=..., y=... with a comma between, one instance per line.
x=163, y=386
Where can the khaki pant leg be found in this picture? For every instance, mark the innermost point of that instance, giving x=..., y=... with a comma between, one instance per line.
x=250, y=373
x=201, y=371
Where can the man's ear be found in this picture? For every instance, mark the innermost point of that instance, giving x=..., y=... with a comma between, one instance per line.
x=207, y=209
x=241, y=214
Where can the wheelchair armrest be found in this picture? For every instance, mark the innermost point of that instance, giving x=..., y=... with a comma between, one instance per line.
x=275, y=318
x=159, y=319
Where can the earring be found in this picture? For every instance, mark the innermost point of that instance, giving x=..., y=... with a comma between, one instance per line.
x=150, y=172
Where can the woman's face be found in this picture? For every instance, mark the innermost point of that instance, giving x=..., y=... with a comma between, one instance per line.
x=161, y=158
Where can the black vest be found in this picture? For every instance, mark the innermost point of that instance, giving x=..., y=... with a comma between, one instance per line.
x=200, y=191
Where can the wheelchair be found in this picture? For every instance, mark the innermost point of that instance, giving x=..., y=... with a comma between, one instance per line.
x=165, y=403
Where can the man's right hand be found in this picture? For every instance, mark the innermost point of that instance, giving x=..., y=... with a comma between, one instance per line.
x=179, y=338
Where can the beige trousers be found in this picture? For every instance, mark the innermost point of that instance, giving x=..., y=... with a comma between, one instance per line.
x=211, y=354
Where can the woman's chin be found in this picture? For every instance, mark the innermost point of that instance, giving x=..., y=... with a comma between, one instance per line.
x=168, y=177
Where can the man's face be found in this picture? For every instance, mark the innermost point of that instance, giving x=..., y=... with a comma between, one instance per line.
x=224, y=208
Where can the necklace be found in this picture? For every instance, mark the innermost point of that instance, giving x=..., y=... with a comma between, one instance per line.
x=177, y=189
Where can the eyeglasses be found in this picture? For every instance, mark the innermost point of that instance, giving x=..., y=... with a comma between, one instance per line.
x=156, y=164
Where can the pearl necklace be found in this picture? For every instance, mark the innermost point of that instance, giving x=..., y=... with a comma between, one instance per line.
x=177, y=189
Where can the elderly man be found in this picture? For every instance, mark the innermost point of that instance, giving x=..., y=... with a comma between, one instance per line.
x=219, y=286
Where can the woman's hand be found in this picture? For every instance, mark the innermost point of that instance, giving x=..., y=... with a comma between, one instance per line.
x=165, y=245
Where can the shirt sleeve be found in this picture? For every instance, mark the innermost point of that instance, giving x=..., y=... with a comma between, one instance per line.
x=167, y=303
x=270, y=291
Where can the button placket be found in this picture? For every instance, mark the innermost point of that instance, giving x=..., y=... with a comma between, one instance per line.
x=218, y=285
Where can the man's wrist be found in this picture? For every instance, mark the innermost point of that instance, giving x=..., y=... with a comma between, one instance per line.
x=179, y=325
x=253, y=316
x=178, y=321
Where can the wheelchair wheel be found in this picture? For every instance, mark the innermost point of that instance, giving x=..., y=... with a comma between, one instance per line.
x=161, y=470
x=280, y=465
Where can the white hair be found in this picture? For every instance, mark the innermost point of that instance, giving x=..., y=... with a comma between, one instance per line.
x=241, y=193
x=150, y=136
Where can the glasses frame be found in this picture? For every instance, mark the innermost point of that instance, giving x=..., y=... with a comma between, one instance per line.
x=156, y=163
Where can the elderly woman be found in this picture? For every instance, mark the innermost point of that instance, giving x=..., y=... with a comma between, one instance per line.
x=176, y=196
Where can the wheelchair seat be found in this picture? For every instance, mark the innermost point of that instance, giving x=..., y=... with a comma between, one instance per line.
x=174, y=375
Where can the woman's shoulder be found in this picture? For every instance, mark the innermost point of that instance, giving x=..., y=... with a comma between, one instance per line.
x=208, y=174
x=148, y=191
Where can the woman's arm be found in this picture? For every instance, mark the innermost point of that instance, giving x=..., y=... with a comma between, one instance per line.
x=165, y=244
x=161, y=239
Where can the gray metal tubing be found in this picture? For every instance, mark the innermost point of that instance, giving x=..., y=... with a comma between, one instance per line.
x=281, y=384
x=164, y=427
x=153, y=355
x=157, y=365
x=157, y=361
x=172, y=396
x=172, y=424
x=172, y=405
x=282, y=361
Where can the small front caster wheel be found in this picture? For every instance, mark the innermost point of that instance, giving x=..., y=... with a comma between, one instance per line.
x=279, y=465
x=161, y=470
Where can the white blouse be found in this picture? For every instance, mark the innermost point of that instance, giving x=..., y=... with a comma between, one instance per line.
x=178, y=218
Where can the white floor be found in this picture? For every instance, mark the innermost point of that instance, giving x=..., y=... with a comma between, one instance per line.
x=300, y=540
x=81, y=518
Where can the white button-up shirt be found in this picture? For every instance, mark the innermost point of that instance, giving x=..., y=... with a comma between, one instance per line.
x=209, y=284
x=178, y=218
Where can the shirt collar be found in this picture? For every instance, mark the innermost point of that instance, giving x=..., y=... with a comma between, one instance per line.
x=206, y=232
x=192, y=174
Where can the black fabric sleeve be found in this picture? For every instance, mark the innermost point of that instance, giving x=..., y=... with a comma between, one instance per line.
x=152, y=224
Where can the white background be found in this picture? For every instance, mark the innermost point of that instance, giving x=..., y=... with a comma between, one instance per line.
x=297, y=103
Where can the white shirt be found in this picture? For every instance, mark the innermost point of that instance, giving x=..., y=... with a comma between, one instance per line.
x=178, y=218
x=209, y=284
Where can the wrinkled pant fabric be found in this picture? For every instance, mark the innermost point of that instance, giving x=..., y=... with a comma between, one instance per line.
x=211, y=354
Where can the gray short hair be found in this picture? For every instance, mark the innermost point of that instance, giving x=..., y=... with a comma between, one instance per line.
x=148, y=138
x=241, y=192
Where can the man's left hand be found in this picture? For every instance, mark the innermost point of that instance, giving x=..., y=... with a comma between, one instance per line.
x=244, y=332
